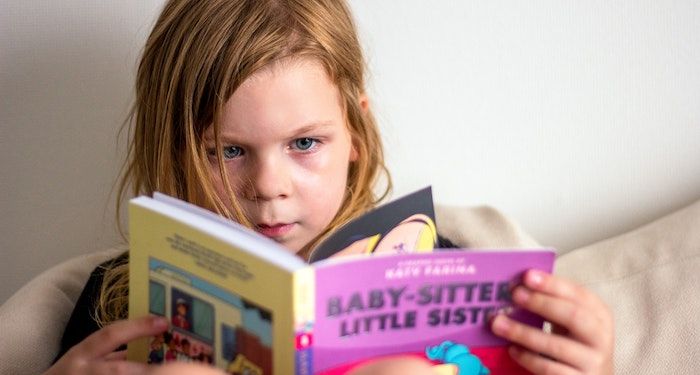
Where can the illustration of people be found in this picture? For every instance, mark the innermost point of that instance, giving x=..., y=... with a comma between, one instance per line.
x=416, y=233
x=157, y=351
x=203, y=358
x=184, y=354
x=171, y=353
x=180, y=318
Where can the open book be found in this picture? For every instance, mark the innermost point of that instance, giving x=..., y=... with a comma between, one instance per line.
x=243, y=303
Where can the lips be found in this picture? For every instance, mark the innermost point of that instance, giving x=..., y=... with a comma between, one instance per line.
x=274, y=230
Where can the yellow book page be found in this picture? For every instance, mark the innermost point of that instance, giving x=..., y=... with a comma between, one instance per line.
x=226, y=307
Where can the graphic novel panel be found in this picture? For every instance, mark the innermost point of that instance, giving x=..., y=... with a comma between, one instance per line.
x=208, y=324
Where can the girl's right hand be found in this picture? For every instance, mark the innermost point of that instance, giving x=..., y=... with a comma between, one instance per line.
x=96, y=355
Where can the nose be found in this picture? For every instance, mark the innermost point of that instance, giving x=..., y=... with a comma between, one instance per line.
x=270, y=179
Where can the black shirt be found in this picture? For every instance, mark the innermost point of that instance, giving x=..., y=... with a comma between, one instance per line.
x=82, y=322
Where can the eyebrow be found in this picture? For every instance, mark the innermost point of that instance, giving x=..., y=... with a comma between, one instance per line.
x=306, y=128
x=311, y=126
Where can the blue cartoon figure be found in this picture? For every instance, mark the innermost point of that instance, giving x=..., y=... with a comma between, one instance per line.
x=458, y=355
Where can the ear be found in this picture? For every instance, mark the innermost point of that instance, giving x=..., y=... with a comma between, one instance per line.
x=364, y=103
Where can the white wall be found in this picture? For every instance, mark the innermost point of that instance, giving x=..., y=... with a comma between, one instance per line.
x=66, y=77
x=579, y=119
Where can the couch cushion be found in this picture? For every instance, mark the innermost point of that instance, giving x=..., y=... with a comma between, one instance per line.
x=650, y=278
x=35, y=316
x=480, y=227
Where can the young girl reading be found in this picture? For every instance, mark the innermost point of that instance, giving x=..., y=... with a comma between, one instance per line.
x=257, y=110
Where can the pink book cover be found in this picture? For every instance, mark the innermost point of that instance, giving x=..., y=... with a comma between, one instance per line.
x=431, y=305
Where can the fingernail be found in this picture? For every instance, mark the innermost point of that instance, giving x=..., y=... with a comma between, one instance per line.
x=535, y=278
x=501, y=324
x=505, y=310
x=521, y=295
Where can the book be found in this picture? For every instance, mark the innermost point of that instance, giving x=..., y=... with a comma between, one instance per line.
x=245, y=304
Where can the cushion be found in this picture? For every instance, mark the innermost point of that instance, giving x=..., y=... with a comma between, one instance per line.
x=650, y=278
x=33, y=319
x=480, y=227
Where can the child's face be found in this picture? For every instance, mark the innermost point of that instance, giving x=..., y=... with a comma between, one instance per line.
x=181, y=309
x=287, y=151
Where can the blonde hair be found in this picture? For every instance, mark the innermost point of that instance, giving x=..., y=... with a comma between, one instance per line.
x=198, y=54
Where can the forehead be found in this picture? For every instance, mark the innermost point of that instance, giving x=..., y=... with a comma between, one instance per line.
x=310, y=67
x=283, y=97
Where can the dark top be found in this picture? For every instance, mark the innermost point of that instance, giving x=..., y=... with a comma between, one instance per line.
x=82, y=322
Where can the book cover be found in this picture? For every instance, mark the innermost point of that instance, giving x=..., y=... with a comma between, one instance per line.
x=435, y=306
x=241, y=302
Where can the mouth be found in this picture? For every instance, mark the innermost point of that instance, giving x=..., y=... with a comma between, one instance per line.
x=274, y=230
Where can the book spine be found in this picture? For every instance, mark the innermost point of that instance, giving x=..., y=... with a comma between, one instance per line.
x=304, y=290
x=137, y=350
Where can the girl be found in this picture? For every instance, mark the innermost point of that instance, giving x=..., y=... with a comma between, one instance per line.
x=257, y=110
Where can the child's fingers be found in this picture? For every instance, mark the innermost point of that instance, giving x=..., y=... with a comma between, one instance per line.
x=580, y=321
x=562, y=288
x=538, y=364
x=561, y=349
x=104, y=341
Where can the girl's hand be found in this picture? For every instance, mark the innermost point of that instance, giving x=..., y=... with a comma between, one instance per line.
x=583, y=338
x=96, y=355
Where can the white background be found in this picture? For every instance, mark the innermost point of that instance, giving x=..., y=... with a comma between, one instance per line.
x=579, y=119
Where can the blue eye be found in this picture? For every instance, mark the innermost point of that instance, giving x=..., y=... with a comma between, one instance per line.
x=231, y=152
x=304, y=144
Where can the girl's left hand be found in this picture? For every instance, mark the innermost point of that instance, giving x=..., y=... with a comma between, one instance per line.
x=583, y=339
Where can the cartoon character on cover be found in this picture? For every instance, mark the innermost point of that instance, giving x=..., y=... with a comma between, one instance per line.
x=416, y=233
x=180, y=319
x=157, y=352
x=458, y=355
x=171, y=352
x=185, y=350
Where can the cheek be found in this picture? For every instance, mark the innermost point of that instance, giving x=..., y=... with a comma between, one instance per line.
x=324, y=182
x=217, y=182
x=326, y=170
x=219, y=186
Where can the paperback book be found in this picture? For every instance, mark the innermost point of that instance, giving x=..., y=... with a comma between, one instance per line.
x=375, y=288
